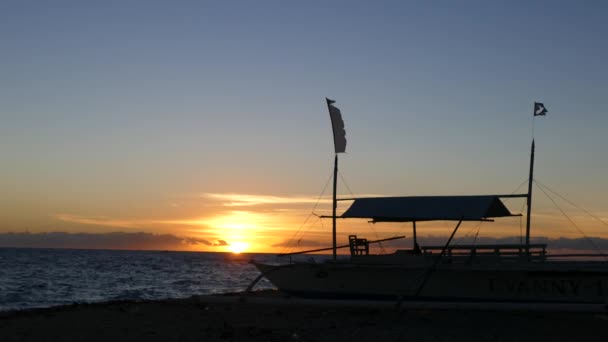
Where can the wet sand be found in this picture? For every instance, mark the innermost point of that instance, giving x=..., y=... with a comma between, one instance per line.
x=270, y=317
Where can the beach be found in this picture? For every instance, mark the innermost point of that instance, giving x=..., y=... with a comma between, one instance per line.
x=270, y=317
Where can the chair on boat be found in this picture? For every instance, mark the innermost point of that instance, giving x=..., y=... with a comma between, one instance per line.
x=358, y=246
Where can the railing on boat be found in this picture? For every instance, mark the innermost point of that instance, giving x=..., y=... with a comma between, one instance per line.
x=537, y=251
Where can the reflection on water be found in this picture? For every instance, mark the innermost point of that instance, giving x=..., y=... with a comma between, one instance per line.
x=46, y=277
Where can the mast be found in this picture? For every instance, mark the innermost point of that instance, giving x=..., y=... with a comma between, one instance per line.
x=529, y=204
x=334, y=206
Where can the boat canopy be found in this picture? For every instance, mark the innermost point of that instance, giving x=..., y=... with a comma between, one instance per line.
x=428, y=208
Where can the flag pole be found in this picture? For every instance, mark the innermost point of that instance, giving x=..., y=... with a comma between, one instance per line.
x=539, y=109
x=533, y=121
x=530, y=180
x=334, y=206
x=529, y=201
x=339, y=147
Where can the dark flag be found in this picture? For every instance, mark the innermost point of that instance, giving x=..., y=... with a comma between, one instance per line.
x=338, y=127
x=539, y=109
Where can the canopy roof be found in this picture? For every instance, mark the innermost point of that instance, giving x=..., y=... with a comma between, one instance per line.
x=428, y=208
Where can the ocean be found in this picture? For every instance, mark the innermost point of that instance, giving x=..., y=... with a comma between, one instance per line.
x=33, y=278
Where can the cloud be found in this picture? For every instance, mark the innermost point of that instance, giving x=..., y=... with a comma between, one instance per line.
x=125, y=223
x=196, y=241
x=103, y=221
x=119, y=223
x=115, y=240
x=242, y=200
x=590, y=243
x=239, y=200
x=221, y=243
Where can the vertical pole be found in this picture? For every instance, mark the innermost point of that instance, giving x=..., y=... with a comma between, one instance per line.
x=334, y=206
x=414, y=227
x=530, y=180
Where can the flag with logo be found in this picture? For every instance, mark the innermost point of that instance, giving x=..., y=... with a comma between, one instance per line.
x=539, y=109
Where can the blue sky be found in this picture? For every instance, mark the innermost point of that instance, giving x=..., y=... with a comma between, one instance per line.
x=122, y=109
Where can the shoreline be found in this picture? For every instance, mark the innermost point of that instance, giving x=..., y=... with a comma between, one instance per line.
x=270, y=316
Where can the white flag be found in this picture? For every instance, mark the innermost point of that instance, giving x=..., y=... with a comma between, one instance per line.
x=338, y=126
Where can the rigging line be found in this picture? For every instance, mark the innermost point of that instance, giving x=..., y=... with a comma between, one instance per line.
x=516, y=190
x=466, y=235
x=570, y=202
x=477, y=233
x=310, y=226
x=303, y=232
x=369, y=224
x=288, y=246
x=572, y=222
x=311, y=213
x=377, y=237
x=471, y=230
x=346, y=184
x=478, y=226
x=322, y=192
x=383, y=251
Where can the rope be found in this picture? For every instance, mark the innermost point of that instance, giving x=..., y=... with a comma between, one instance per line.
x=572, y=222
x=571, y=203
x=345, y=184
x=478, y=226
x=369, y=224
x=470, y=231
x=477, y=233
x=289, y=242
x=516, y=190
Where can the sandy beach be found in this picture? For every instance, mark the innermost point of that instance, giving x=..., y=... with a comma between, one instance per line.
x=273, y=318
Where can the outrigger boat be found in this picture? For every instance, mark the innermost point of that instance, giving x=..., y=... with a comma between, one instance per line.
x=497, y=272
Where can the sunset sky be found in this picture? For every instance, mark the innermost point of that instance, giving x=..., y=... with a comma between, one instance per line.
x=203, y=124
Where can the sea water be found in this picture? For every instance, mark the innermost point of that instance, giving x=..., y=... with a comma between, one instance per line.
x=31, y=278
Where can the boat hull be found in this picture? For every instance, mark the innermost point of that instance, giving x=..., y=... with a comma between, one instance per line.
x=517, y=283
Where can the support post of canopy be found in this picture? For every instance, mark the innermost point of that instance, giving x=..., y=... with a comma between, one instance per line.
x=415, y=239
x=529, y=202
x=334, y=205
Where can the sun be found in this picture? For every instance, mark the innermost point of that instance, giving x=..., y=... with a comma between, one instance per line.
x=238, y=247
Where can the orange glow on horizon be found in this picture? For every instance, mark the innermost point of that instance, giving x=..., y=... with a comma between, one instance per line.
x=242, y=230
x=238, y=247
x=274, y=224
